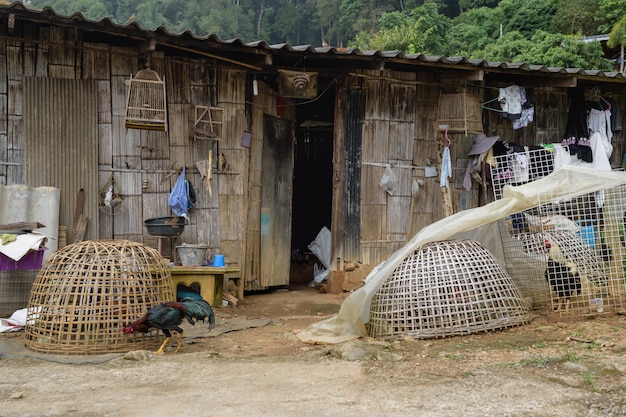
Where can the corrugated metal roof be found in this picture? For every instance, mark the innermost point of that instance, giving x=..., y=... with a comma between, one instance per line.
x=213, y=42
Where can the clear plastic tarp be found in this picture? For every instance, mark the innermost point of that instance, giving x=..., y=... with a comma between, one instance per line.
x=479, y=224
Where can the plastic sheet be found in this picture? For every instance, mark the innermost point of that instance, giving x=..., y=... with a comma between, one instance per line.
x=321, y=249
x=567, y=182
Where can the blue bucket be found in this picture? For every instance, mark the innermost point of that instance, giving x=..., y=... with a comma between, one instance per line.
x=588, y=234
x=218, y=260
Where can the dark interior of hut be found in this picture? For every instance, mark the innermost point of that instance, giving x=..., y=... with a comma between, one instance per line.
x=312, y=182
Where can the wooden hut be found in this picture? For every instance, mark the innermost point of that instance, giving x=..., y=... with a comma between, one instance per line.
x=290, y=149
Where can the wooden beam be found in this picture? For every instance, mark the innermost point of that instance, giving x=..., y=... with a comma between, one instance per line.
x=268, y=58
x=472, y=75
x=535, y=81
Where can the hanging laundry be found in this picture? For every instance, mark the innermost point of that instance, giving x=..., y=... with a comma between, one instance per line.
x=528, y=108
x=616, y=115
x=510, y=99
x=599, y=121
x=526, y=117
x=576, y=136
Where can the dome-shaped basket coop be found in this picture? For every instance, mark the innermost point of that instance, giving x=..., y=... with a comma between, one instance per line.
x=446, y=288
x=87, y=291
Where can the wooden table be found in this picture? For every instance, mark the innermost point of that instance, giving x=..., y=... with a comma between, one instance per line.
x=210, y=279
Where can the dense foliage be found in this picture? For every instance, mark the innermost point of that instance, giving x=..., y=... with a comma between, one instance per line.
x=547, y=32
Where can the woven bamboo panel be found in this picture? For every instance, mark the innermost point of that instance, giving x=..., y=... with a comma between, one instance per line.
x=446, y=288
x=87, y=291
x=460, y=112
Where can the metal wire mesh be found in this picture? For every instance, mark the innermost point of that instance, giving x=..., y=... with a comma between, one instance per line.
x=568, y=256
x=87, y=291
x=446, y=288
x=14, y=290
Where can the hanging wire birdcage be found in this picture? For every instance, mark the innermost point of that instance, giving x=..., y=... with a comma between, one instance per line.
x=146, y=105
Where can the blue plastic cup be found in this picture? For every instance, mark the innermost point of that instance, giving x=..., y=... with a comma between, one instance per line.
x=218, y=260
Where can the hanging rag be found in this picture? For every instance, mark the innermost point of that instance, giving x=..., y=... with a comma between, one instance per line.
x=446, y=167
x=7, y=238
x=482, y=145
x=204, y=167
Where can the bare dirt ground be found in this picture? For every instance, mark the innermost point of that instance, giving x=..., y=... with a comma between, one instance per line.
x=551, y=367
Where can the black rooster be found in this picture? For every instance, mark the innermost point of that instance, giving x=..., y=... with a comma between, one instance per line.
x=169, y=316
x=564, y=280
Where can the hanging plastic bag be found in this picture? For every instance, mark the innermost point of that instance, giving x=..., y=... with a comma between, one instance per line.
x=389, y=181
x=321, y=249
x=178, y=200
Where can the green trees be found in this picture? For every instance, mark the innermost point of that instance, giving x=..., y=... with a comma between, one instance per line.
x=421, y=30
x=540, y=31
x=550, y=49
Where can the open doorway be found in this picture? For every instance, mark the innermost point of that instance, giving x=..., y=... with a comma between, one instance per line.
x=312, y=183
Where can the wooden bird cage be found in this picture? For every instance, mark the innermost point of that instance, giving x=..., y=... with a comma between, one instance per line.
x=146, y=106
x=459, y=113
x=86, y=291
x=207, y=122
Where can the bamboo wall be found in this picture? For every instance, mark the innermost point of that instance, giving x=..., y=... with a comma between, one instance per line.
x=398, y=130
x=400, y=110
x=144, y=164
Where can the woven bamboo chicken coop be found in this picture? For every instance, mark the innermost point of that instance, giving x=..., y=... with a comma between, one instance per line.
x=446, y=288
x=87, y=291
